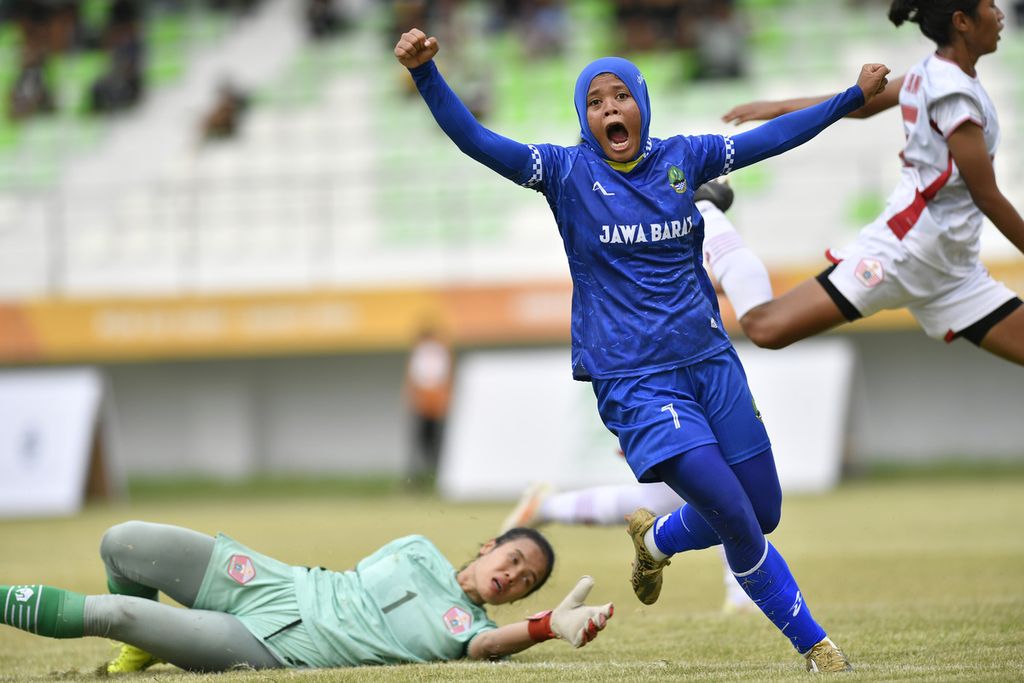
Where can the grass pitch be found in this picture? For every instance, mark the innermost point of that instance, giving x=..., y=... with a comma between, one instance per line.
x=916, y=578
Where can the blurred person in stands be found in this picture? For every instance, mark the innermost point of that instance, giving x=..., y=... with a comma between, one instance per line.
x=121, y=87
x=224, y=120
x=323, y=19
x=922, y=252
x=719, y=42
x=30, y=93
x=404, y=603
x=646, y=328
x=428, y=388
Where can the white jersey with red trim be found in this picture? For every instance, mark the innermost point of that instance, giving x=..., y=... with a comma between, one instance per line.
x=931, y=211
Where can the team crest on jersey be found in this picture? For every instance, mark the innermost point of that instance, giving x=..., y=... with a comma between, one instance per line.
x=241, y=569
x=457, y=620
x=677, y=179
x=869, y=272
x=24, y=594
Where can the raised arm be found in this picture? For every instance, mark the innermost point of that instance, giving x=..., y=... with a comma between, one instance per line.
x=572, y=621
x=794, y=129
x=967, y=145
x=770, y=109
x=512, y=159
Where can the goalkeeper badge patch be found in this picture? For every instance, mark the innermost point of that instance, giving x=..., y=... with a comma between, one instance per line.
x=457, y=620
x=240, y=569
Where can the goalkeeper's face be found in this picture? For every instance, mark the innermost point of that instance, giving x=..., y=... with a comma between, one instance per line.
x=506, y=572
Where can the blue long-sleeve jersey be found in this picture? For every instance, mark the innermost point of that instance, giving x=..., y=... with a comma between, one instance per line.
x=642, y=301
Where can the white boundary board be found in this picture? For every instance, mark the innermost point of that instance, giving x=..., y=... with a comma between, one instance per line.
x=518, y=417
x=48, y=420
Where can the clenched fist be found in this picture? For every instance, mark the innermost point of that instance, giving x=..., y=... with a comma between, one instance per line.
x=414, y=48
x=872, y=80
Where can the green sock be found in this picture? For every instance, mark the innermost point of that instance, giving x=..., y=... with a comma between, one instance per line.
x=135, y=590
x=43, y=610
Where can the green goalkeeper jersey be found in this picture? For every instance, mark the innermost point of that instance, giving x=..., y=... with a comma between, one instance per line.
x=400, y=604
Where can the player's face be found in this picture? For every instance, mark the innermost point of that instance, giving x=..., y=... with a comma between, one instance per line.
x=614, y=118
x=984, y=27
x=507, y=572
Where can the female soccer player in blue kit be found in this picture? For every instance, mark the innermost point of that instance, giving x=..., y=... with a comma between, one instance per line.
x=646, y=330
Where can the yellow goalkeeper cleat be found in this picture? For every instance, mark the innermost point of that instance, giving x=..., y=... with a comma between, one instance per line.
x=130, y=659
x=646, y=576
x=826, y=657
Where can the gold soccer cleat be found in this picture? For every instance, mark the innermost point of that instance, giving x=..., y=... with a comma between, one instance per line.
x=826, y=657
x=130, y=659
x=646, y=576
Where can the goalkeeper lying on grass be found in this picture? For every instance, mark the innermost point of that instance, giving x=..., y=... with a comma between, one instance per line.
x=403, y=603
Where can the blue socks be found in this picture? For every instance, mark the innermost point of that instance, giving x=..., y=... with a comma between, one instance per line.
x=769, y=584
x=772, y=587
x=684, y=530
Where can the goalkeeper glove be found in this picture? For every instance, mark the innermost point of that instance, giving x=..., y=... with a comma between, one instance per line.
x=572, y=621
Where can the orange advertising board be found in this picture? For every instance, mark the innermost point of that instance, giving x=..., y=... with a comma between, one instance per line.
x=325, y=321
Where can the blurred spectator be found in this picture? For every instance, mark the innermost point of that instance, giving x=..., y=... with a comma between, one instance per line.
x=121, y=87
x=237, y=6
x=543, y=24
x=1018, y=12
x=224, y=120
x=323, y=19
x=30, y=94
x=719, y=42
x=428, y=382
x=649, y=24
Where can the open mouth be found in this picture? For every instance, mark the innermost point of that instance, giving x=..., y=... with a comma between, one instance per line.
x=618, y=136
x=497, y=585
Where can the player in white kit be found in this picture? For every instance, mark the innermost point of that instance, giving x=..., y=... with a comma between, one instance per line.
x=922, y=253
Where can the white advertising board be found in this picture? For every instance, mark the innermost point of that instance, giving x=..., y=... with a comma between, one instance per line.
x=518, y=417
x=48, y=420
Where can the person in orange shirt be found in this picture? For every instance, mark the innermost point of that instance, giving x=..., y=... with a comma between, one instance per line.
x=428, y=384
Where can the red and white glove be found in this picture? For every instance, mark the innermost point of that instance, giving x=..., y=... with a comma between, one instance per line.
x=572, y=621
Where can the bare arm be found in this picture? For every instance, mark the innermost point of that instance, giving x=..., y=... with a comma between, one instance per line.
x=501, y=642
x=967, y=145
x=770, y=109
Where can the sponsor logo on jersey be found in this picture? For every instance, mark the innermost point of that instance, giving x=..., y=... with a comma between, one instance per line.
x=457, y=620
x=598, y=187
x=241, y=569
x=869, y=272
x=636, y=233
x=677, y=179
x=24, y=594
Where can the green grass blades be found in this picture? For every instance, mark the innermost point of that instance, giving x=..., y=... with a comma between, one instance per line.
x=916, y=579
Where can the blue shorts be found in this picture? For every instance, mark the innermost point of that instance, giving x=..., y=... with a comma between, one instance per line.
x=662, y=415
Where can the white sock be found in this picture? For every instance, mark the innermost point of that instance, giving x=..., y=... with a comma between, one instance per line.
x=652, y=547
x=739, y=271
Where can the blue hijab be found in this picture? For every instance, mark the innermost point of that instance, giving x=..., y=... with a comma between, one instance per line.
x=635, y=82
